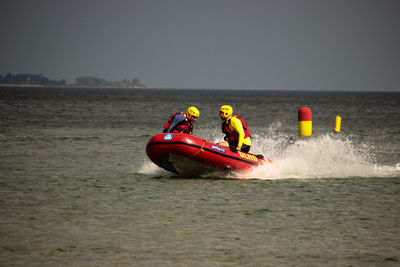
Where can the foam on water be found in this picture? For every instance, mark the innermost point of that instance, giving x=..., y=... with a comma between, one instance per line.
x=326, y=156
x=151, y=169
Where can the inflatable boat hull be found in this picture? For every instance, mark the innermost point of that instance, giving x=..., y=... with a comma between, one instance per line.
x=188, y=154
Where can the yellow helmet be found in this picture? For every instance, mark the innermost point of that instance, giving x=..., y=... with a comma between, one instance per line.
x=227, y=110
x=192, y=111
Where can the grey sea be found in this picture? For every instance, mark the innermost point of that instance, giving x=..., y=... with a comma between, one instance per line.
x=77, y=188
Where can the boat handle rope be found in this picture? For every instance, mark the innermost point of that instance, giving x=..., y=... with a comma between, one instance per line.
x=200, y=150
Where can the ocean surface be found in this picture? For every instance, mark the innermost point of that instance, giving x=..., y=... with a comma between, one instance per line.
x=77, y=189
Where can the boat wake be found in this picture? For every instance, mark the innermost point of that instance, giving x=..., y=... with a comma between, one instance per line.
x=325, y=156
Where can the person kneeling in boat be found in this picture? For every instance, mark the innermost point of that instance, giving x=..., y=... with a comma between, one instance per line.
x=235, y=129
x=182, y=122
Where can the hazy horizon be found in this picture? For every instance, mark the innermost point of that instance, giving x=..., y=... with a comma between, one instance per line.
x=304, y=45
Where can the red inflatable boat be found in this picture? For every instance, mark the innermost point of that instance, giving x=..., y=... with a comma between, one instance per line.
x=188, y=154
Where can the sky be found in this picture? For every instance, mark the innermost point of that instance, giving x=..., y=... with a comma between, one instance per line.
x=215, y=44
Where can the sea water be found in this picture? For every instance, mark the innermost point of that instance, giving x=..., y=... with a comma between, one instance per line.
x=77, y=189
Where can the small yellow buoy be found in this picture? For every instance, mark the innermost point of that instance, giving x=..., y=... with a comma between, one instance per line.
x=305, y=121
x=338, y=123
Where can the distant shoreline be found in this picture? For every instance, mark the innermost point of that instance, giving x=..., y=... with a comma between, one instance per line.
x=194, y=89
x=70, y=86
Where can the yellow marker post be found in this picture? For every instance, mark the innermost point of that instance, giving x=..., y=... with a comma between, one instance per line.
x=305, y=122
x=338, y=122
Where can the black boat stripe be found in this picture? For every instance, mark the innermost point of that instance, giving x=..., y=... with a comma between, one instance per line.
x=204, y=148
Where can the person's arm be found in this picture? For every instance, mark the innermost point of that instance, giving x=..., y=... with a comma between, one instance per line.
x=238, y=127
x=178, y=118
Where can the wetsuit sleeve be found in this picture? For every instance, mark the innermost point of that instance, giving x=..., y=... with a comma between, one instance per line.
x=177, y=119
x=238, y=127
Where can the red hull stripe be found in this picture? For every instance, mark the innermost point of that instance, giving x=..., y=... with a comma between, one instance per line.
x=204, y=148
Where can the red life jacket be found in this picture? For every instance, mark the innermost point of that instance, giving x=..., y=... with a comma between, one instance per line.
x=184, y=126
x=233, y=136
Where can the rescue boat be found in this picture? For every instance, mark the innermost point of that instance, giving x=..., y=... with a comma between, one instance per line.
x=190, y=155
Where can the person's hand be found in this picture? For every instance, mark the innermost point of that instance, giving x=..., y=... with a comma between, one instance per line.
x=238, y=148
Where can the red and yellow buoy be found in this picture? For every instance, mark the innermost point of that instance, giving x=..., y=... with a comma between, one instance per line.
x=305, y=121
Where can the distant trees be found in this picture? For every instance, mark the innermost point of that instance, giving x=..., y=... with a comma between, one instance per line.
x=91, y=81
x=33, y=79
x=94, y=81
